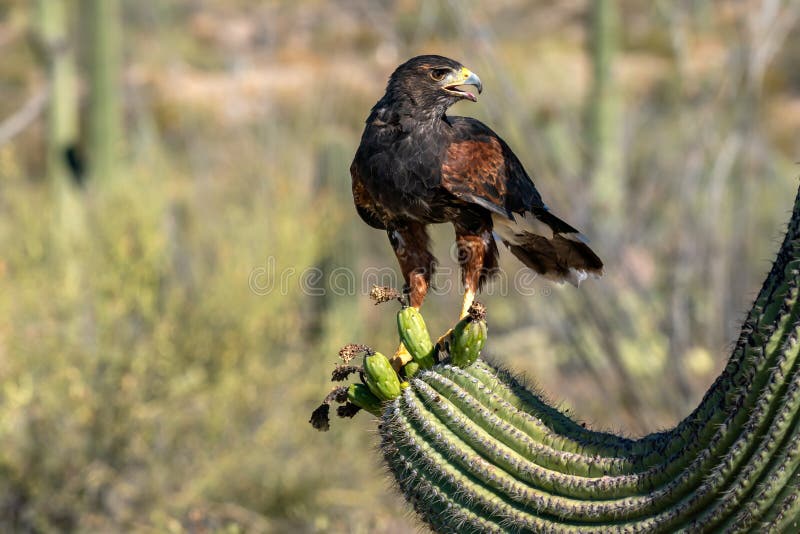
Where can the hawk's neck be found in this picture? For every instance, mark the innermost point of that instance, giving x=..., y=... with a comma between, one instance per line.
x=403, y=110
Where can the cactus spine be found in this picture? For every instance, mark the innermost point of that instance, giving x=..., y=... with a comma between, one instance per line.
x=474, y=451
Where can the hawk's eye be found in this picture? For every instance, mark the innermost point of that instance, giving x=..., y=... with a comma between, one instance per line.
x=439, y=74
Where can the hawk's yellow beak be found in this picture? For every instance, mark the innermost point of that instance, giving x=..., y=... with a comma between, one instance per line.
x=455, y=81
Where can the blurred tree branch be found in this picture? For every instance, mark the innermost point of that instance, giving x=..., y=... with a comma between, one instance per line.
x=24, y=116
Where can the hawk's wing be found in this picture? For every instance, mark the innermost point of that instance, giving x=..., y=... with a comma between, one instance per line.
x=480, y=168
x=366, y=206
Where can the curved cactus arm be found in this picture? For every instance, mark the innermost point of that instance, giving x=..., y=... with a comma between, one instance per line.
x=475, y=451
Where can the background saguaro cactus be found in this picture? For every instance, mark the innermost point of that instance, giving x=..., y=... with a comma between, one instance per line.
x=104, y=50
x=474, y=450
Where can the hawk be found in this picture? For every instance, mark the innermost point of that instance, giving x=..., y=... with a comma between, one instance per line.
x=417, y=166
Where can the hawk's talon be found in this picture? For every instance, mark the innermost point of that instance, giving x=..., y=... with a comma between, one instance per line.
x=442, y=346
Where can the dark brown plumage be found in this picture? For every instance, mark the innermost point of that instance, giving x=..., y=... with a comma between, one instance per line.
x=417, y=166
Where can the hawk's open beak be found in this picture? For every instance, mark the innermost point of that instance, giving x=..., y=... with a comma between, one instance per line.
x=455, y=83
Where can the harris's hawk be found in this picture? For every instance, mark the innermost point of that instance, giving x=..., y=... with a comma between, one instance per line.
x=417, y=166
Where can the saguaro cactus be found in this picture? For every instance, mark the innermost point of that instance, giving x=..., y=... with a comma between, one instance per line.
x=473, y=450
x=52, y=34
x=105, y=112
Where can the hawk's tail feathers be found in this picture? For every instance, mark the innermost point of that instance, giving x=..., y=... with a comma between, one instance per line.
x=549, y=246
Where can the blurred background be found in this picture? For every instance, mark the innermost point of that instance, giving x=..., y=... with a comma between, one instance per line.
x=180, y=259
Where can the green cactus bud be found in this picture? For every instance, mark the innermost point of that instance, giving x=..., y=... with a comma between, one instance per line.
x=381, y=377
x=415, y=336
x=361, y=396
x=468, y=337
x=410, y=369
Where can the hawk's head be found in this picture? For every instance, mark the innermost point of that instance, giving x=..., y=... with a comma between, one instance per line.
x=432, y=84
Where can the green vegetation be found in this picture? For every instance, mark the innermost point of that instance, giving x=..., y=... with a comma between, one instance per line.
x=155, y=376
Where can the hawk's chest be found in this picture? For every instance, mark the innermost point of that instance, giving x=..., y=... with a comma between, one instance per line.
x=403, y=169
